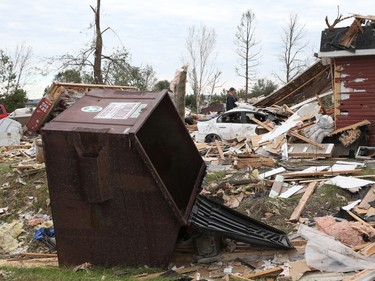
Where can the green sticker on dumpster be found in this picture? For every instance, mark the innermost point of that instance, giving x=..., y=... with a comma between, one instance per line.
x=91, y=108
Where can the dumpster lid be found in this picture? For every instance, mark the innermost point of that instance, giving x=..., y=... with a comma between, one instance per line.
x=123, y=110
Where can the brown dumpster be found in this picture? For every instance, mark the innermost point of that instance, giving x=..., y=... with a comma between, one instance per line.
x=123, y=174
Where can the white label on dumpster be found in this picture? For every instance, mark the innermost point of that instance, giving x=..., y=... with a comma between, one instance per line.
x=138, y=111
x=118, y=110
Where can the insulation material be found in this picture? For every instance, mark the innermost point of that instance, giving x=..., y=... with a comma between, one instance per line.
x=324, y=253
x=342, y=231
x=323, y=127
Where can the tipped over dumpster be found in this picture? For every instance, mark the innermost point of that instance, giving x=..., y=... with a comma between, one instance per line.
x=124, y=177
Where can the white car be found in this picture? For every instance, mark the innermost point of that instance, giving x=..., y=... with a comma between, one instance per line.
x=233, y=124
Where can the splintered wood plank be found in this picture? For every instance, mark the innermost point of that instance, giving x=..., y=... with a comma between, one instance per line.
x=255, y=162
x=322, y=173
x=367, y=274
x=298, y=268
x=369, y=250
x=295, y=134
x=221, y=153
x=302, y=202
x=287, y=108
x=354, y=126
x=370, y=196
x=255, y=140
x=354, y=216
x=274, y=270
x=308, y=150
x=260, y=123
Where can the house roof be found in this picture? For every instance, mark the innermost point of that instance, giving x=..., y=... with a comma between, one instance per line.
x=354, y=40
x=313, y=81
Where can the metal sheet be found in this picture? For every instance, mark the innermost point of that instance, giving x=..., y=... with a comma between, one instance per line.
x=39, y=115
x=123, y=174
x=355, y=81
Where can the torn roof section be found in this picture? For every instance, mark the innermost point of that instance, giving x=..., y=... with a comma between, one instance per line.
x=354, y=40
x=351, y=53
x=313, y=81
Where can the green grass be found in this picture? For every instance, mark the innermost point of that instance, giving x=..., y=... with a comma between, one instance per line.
x=67, y=274
x=4, y=168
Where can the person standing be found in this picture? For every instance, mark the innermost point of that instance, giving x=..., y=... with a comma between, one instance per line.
x=231, y=99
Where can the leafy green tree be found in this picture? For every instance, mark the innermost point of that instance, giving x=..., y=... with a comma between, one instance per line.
x=68, y=76
x=263, y=87
x=7, y=74
x=190, y=102
x=15, y=99
x=161, y=85
x=215, y=99
x=11, y=96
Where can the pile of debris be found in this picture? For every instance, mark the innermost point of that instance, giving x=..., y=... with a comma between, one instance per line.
x=289, y=179
x=289, y=186
x=282, y=181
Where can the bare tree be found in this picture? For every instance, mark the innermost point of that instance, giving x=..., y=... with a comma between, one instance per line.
x=203, y=74
x=22, y=67
x=95, y=48
x=98, y=67
x=247, y=49
x=337, y=20
x=292, y=42
x=98, y=78
x=16, y=67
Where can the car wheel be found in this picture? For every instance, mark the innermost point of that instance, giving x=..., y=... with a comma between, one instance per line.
x=211, y=138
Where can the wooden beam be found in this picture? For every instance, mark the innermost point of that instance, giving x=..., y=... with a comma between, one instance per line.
x=322, y=173
x=304, y=84
x=295, y=134
x=369, y=197
x=321, y=103
x=298, y=210
x=260, y=123
x=351, y=33
x=354, y=216
x=367, y=274
x=354, y=126
x=287, y=108
x=221, y=153
x=274, y=270
x=44, y=255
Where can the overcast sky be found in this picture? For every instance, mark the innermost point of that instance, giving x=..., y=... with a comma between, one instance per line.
x=154, y=32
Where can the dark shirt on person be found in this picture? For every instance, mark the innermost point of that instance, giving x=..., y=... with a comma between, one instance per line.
x=231, y=102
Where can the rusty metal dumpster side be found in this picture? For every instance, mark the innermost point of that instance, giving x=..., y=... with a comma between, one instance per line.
x=118, y=195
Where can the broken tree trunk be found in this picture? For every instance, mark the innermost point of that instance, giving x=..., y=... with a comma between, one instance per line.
x=178, y=86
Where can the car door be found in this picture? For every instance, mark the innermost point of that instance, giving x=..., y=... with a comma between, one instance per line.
x=229, y=125
x=249, y=126
x=223, y=126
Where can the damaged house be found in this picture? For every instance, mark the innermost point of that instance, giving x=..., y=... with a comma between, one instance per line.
x=344, y=70
x=350, y=52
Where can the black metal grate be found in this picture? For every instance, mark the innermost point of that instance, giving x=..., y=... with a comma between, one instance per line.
x=210, y=215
